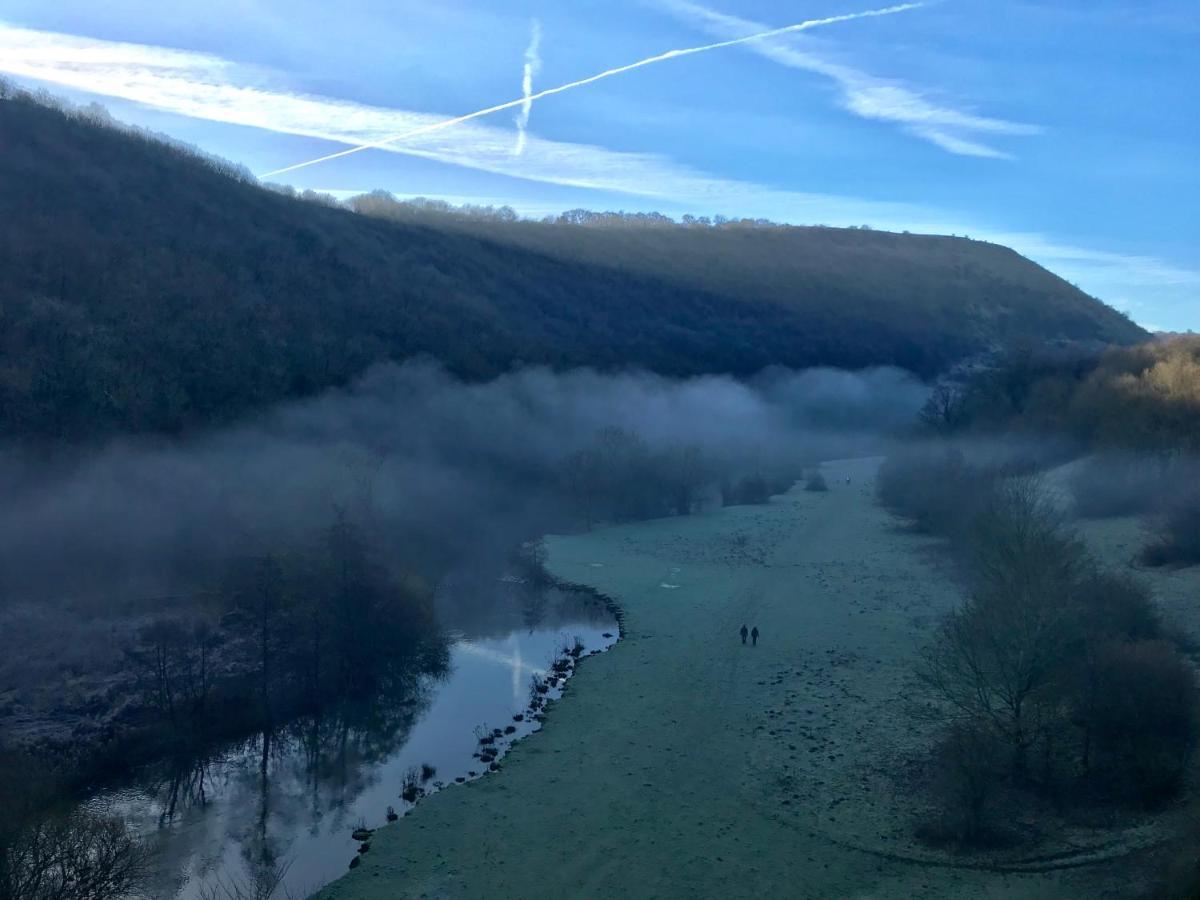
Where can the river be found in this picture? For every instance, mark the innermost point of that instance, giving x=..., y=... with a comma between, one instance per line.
x=223, y=820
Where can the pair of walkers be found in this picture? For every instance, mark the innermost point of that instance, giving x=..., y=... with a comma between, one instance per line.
x=753, y=634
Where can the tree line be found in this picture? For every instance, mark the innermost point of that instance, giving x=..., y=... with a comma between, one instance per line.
x=1134, y=412
x=1055, y=681
x=286, y=632
x=618, y=477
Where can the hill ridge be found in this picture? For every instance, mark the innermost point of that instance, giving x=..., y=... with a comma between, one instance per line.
x=150, y=289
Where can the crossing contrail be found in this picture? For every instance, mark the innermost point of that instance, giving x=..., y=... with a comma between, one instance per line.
x=533, y=64
x=524, y=100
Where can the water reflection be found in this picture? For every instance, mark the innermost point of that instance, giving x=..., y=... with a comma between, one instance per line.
x=289, y=800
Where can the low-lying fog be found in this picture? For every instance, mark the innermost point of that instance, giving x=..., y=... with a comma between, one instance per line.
x=439, y=470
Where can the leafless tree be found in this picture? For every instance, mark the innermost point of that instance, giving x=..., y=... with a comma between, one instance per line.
x=257, y=585
x=583, y=478
x=77, y=857
x=944, y=409
x=263, y=883
x=997, y=658
x=687, y=472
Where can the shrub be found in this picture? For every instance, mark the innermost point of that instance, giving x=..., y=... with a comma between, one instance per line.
x=1102, y=487
x=1145, y=720
x=996, y=662
x=747, y=490
x=411, y=789
x=936, y=488
x=1178, y=871
x=1117, y=607
x=1178, y=539
x=81, y=855
x=1017, y=540
x=816, y=482
x=968, y=768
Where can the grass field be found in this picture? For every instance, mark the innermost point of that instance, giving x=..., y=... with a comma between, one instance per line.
x=682, y=763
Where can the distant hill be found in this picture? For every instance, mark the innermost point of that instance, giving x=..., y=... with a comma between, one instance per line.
x=144, y=288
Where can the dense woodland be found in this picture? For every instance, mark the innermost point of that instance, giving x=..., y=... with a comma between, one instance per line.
x=1132, y=412
x=1144, y=398
x=148, y=289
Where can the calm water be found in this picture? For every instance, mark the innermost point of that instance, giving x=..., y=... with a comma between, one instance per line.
x=228, y=818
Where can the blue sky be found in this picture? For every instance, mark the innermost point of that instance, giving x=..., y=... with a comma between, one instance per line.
x=1067, y=130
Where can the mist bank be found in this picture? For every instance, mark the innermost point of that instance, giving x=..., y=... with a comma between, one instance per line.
x=301, y=556
x=437, y=470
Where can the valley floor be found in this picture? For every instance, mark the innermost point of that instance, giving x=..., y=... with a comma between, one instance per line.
x=682, y=763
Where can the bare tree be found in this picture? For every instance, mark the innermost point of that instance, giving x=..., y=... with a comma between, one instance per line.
x=158, y=653
x=583, y=477
x=997, y=658
x=257, y=585
x=686, y=474
x=78, y=857
x=262, y=884
x=944, y=410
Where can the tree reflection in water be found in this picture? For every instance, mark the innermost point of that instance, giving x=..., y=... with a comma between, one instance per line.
x=280, y=807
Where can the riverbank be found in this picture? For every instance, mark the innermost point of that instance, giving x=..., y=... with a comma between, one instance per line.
x=220, y=818
x=685, y=764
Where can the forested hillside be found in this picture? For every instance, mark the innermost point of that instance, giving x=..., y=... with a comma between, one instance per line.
x=911, y=283
x=1142, y=399
x=145, y=289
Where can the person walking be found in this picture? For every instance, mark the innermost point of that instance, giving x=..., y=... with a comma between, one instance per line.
x=743, y=633
x=754, y=635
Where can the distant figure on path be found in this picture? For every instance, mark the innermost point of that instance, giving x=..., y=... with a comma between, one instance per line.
x=847, y=479
x=754, y=636
x=743, y=634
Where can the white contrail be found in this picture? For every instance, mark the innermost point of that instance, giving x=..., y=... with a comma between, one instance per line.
x=608, y=73
x=514, y=661
x=533, y=65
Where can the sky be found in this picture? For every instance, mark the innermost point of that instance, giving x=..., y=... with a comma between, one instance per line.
x=1069, y=131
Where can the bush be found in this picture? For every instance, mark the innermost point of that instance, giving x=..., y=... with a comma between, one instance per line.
x=1178, y=871
x=935, y=488
x=968, y=768
x=1145, y=722
x=1178, y=539
x=747, y=490
x=816, y=482
x=1116, y=607
x=81, y=855
x=1053, y=658
x=1103, y=487
x=1017, y=544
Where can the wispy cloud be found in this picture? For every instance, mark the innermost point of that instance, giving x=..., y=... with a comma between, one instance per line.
x=863, y=94
x=533, y=65
x=208, y=87
x=656, y=59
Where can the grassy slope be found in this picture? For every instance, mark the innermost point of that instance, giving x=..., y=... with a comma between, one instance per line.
x=682, y=764
x=144, y=290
